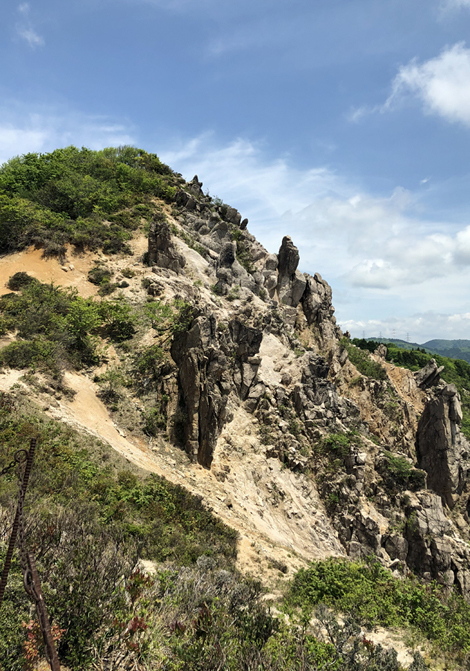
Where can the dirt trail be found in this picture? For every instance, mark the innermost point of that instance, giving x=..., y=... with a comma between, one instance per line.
x=284, y=527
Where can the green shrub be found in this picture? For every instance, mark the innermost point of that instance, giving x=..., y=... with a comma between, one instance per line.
x=88, y=520
x=402, y=474
x=71, y=195
x=376, y=598
x=364, y=364
x=20, y=280
x=58, y=328
x=100, y=275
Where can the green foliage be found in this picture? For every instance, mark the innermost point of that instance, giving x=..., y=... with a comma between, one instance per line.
x=338, y=445
x=57, y=327
x=456, y=371
x=243, y=253
x=169, y=318
x=20, y=280
x=88, y=520
x=402, y=474
x=364, y=364
x=71, y=195
x=100, y=275
x=376, y=597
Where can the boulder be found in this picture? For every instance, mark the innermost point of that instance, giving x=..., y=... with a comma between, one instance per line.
x=429, y=376
x=291, y=283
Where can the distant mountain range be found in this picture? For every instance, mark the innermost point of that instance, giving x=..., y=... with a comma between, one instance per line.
x=455, y=349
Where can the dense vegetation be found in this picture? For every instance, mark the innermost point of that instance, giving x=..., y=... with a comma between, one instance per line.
x=90, y=199
x=56, y=328
x=375, y=597
x=87, y=552
x=456, y=371
x=364, y=364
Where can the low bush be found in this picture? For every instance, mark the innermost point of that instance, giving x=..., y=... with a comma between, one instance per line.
x=20, y=280
x=376, y=597
x=363, y=362
x=89, y=518
x=58, y=328
x=90, y=199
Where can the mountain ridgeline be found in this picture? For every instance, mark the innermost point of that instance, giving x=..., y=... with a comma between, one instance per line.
x=224, y=480
x=453, y=349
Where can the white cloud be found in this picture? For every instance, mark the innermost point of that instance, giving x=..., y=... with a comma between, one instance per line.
x=25, y=29
x=455, y=4
x=420, y=327
x=442, y=84
x=22, y=131
x=380, y=254
x=367, y=240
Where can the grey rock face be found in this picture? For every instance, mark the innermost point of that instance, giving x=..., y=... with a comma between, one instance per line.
x=317, y=307
x=161, y=250
x=381, y=351
x=201, y=408
x=291, y=283
x=195, y=186
x=186, y=200
x=288, y=256
x=233, y=216
x=428, y=376
x=206, y=377
x=442, y=451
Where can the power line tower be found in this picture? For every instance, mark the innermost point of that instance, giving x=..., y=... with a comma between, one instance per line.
x=407, y=337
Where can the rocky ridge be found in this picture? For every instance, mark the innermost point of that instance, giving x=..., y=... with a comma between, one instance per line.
x=266, y=343
x=264, y=414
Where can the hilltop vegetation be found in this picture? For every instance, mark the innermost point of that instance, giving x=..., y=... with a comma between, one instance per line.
x=89, y=199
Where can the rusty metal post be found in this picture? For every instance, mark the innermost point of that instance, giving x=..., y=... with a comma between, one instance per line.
x=32, y=585
x=16, y=522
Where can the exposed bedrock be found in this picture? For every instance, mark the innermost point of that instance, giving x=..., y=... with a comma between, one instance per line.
x=429, y=376
x=291, y=283
x=207, y=374
x=441, y=449
x=161, y=249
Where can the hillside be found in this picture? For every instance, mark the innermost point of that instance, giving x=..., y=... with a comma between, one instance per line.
x=223, y=479
x=453, y=349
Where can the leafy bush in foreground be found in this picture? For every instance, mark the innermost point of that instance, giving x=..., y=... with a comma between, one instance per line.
x=88, y=522
x=375, y=597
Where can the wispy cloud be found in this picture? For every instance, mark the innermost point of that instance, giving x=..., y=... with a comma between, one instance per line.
x=45, y=129
x=370, y=248
x=454, y=4
x=441, y=85
x=25, y=29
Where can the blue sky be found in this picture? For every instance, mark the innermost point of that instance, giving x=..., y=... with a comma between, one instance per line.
x=344, y=124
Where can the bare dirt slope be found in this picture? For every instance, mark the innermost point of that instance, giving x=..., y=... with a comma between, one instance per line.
x=278, y=514
x=73, y=273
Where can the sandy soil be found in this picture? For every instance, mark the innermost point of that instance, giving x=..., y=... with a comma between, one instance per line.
x=49, y=270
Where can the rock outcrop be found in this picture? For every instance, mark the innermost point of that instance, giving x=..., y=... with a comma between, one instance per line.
x=442, y=450
x=263, y=343
x=429, y=376
x=161, y=249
